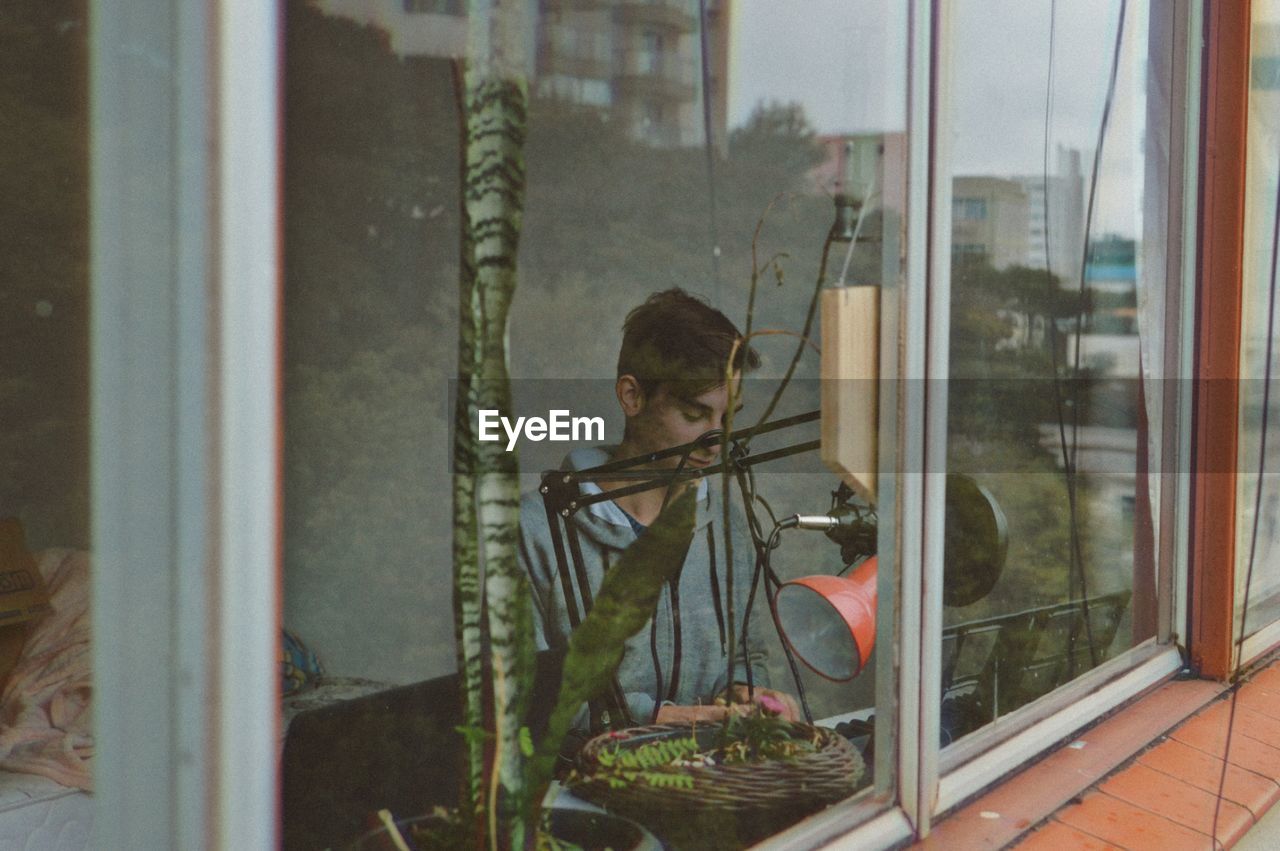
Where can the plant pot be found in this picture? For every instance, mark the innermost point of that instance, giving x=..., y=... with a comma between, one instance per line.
x=727, y=806
x=588, y=829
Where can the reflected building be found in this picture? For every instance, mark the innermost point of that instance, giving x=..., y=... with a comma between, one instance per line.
x=638, y=61
x=1028, y=220
x=989, y=221
x=416, y=28
x=1055, y=218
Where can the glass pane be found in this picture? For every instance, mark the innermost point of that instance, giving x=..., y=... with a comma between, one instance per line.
x=669, y=145
x=1056, y=313
x=1259, y=503
x=44, y=413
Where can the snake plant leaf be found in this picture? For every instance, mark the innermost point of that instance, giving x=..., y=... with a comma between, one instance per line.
x=624, y=604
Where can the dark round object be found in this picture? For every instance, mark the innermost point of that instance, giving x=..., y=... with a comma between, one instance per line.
x=593, y=831
x=588, y=829
x=976, y=542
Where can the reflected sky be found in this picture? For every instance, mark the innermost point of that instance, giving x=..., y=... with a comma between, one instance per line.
x=845, y=63
x=843, y=60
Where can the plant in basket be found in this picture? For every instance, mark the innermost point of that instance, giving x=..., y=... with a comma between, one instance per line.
x=719, y=785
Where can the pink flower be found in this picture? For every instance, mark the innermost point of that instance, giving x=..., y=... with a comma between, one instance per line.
x=770, y=704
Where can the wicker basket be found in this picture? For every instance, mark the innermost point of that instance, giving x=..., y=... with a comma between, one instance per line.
x=729, y=806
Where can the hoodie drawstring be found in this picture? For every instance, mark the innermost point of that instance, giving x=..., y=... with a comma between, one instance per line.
x=715, y=585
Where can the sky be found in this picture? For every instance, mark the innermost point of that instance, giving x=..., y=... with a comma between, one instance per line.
x=845, y=62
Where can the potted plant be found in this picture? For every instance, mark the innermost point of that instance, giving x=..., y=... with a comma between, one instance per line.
x=507, y=771
x=721, y=785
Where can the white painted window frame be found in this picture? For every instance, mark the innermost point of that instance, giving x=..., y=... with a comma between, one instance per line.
x=956, y=775
x=928, y=782
x=184, y=297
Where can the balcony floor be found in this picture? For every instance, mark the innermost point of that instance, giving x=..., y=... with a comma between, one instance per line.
x=1145, y=778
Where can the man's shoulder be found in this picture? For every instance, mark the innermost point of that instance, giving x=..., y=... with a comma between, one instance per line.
x=532, y=506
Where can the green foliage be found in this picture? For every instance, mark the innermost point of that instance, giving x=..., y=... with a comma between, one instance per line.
x=526, y=742
x=622, y=607
x=658, y=764
x=1003, y=428
x=474, y=735
x=760, y=735
x=778, y=144
x=756, y=736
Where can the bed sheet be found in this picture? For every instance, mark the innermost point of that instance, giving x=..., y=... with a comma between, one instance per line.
x=37, y=814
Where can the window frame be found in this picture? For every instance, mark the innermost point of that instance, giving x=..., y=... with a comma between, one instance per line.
x=984, y=757
x=1212, y=588
x=209, y=554
x=1262, y=640
x=184, y=295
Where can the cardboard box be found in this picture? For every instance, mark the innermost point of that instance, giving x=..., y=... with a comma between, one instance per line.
x=23, y=595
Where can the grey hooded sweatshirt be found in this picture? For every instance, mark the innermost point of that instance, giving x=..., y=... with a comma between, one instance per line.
x=604, y=532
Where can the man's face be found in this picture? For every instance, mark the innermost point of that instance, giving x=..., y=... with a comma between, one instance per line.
x=666, y=419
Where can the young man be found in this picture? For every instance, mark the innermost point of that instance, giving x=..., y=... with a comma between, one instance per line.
x=671, y=389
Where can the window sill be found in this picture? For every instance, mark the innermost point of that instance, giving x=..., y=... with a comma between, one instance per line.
x=1173, y=740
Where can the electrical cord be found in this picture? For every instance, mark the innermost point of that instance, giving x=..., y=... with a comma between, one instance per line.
x=660, y=685
x=1072, y=489
x=869, y=195
x=1070, y=449
x=771, y=585
x=764, y=572
x=1257, y=510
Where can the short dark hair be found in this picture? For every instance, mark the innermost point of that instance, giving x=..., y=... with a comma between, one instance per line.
x=678, y=339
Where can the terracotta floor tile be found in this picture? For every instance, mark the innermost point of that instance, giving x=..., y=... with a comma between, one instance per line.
x=1179, y=802
x=1256, y=725
x=1268, y=678
x=1204, y=771
x=1055, y=779
x=1259, y=699
x=1129, y=826
x=1056, y=836
x=1208, y=732
x=1210, y=721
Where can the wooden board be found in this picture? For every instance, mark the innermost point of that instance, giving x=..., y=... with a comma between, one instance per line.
x=851, y=386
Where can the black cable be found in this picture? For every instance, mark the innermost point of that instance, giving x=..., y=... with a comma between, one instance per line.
x=1070, y=451
x=763, y=570
x=756, y=496
x=660, y=685
x=746, y=485
x=1257, y=509
x=771, y=577
x=804, y=338
x=1072, y=493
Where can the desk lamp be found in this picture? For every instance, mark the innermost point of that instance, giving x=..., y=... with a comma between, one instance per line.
x=830, y=621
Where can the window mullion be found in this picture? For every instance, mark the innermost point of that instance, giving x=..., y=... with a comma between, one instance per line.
x=916, y=752
x=937, y=368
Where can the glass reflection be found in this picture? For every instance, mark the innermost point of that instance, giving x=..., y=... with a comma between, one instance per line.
x=1056, y=315
x=682, y=143
x=1259, y=586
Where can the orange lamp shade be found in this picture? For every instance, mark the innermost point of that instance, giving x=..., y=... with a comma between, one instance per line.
x=830, y=621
